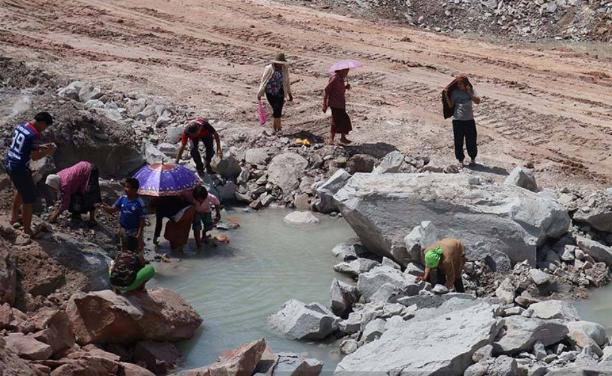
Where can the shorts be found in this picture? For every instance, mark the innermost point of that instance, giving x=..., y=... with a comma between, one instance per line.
x=203, y=220
x=128, y=239
x=23, y=182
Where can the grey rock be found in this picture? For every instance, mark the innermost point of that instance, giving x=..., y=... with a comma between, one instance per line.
x=301, y=218
x=581, y=331
x=173, y=134
x=598, y=251
x=373, y=330
x=408, y=348
x=327, y=190
x=390, y=263
x=228, y=167
x=257, y=157
x=569, y=253
x=79, y=255
x=352, y=324
x=298, y=320
x=94, y=103
x=347, y=251
x=485, y=352
x=522, y=177
x=343, y=296
x=597, y=212
x=153, y=155
x=289, y=364
x=416, y=241
x=348, y=346
x=227, y=191
x=522, y=333
x=539, y=277
x=244, y=175
x=506, y=291
x=391, y=163
x=356, y=267
x=555, y=309
x=506, y=219
x=478, y=369
x=71, y=91
x=414, y=270
x=88, y=92
x=503, y=366
x=539, y=350
x=360, y=163
x=285, y=171
x=371, y=281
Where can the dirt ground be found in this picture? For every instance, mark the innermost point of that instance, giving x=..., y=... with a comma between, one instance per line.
x=547, y=104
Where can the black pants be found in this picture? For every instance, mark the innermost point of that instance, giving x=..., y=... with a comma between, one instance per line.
x=440, y=278
x=276, y=102
x=208, y=153
x=465, y=129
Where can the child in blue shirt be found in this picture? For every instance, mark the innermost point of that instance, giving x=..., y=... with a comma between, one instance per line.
x=132, y=217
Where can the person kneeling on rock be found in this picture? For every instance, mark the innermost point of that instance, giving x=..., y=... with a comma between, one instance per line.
x=129, y=271
x=444, y=261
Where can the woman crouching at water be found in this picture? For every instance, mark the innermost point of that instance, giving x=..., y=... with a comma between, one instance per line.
x=335, y=98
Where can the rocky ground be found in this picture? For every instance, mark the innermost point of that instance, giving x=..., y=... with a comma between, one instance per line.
x=518, y=19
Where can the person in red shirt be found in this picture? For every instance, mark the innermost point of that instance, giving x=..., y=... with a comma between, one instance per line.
x=196, y=131
x=335, y=98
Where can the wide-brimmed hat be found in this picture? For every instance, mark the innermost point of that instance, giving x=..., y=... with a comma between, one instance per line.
x=280, y=59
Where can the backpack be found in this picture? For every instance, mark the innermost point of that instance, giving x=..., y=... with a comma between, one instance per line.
x=125, y=268
x=447, y=110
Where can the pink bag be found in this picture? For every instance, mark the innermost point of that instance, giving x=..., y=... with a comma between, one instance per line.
x=263, y=115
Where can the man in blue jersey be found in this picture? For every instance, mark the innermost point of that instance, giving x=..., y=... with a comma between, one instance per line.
x=25, y=146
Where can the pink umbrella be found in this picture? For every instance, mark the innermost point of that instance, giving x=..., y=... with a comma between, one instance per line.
x=344, y=64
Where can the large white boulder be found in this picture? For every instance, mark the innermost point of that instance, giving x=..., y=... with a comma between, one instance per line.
x=372, y=281
x=285, y=171
x=298, y=320
x=301, y=218
x=489, y=219
x=440, y=344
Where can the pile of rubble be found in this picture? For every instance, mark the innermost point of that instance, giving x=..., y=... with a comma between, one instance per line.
x=558, y=19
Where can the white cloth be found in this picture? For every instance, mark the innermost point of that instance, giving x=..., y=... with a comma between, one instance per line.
x=53, y=181
x=267, y=74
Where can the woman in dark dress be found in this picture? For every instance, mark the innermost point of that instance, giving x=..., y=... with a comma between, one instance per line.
x=335, y=99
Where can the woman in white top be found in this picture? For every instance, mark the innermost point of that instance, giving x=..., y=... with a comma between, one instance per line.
x=276, y=85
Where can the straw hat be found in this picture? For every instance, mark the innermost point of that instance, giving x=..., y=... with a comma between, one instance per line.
x=280, y=59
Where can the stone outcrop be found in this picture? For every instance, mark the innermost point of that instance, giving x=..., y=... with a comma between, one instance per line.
x=298, y=320
x=597, y=211
x=327, y=190
x=285, y=171
x=522, y=333
x=157, y=315
x=438, y=344
x=343, y=296
x=497, y=220
x=522, y=177
x=238, y=362
x=82, y=256
x=8, y=275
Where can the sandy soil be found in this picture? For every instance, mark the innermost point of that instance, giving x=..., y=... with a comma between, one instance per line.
x=549, y=105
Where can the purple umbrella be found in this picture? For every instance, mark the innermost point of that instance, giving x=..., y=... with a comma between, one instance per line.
x=344, y=64
x=165, y=179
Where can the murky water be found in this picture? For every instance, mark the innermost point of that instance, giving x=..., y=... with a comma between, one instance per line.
x=598, y=308
x=237, y=286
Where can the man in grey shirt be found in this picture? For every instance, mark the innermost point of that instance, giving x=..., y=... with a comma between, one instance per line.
x=461, y=98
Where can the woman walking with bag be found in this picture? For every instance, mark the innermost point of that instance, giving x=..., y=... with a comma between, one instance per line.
x=459, y=96
x=276, y=86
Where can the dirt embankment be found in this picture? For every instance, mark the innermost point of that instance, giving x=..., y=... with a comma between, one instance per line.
x=547, y=105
